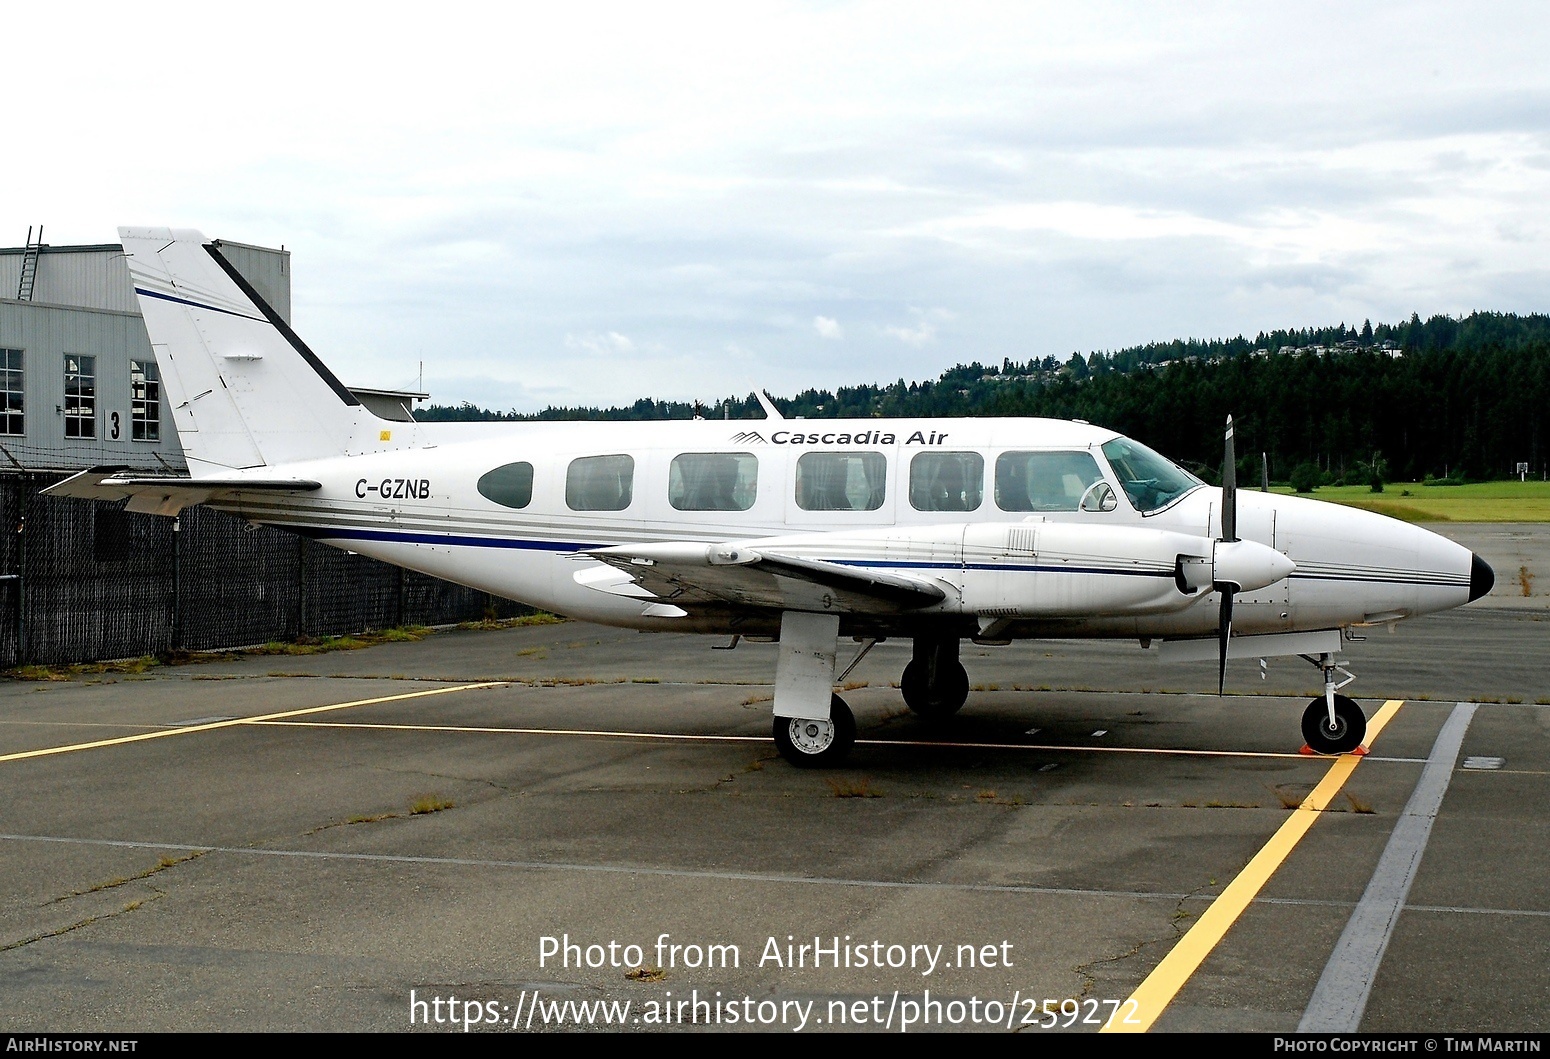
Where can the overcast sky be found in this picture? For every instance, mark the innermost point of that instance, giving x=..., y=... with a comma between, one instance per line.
x=578, y=203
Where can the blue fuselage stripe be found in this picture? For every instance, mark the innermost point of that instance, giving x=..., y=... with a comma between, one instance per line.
x=197, y=305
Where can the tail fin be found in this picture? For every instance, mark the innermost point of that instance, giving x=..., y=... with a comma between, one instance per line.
x=245, y=391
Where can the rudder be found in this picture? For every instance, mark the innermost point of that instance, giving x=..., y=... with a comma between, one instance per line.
x=245, y=391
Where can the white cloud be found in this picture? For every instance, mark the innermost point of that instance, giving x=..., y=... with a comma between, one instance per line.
x=610, y=343
x=923, y=331
x=1065, y=176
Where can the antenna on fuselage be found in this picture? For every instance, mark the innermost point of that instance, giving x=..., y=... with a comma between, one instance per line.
x=770, y=411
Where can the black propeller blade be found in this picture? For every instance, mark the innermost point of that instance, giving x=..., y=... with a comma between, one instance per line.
x=1229, y=534
x=1223, y=630
x=1229, y=488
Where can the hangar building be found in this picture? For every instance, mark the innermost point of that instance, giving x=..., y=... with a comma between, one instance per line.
x=80, y=388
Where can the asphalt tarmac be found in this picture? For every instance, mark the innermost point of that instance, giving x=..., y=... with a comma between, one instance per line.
x=531, y=828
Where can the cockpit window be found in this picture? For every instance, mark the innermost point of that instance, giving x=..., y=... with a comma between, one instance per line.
x=1150, y=481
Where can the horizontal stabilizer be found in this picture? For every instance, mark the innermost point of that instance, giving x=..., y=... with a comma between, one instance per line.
x=167, y=494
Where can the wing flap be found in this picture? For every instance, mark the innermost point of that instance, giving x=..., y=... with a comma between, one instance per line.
x=688, y=573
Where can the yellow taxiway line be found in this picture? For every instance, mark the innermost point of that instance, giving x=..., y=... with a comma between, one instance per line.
x=235, y=721
x=1138, y=1013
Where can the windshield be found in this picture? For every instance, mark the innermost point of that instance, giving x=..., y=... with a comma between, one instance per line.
x=1150, y=481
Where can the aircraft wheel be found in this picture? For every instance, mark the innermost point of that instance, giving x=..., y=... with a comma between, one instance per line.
x=935, y=701
x=811, y=744
x=1347, y=734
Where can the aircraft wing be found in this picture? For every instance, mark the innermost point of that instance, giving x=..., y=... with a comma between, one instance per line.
x=166, y=494
x=687, y=573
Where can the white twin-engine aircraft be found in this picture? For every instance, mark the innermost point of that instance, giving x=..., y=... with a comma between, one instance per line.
x=802, y=531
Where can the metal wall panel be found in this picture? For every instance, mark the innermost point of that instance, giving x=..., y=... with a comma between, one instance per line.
x=91, y=277
x=97, y=277
x=45, y=334
x=268, y=270
x=94, y=278
x=84, y=303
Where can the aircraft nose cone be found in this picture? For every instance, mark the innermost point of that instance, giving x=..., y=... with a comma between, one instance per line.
x=1481, y=578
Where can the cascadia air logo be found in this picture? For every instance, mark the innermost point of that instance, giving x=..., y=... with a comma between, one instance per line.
x=838, y=437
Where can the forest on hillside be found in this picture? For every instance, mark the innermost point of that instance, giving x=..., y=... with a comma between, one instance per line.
x=1462, y=398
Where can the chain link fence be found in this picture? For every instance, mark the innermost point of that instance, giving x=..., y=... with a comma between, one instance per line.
x=83, y=581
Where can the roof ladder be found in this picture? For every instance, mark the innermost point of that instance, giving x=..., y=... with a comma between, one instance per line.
x=29, y=275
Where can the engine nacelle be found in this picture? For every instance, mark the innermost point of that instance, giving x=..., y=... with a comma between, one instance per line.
x=1056, y=569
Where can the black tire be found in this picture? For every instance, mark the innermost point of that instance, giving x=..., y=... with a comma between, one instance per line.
x=810, y=744
x=1349, y=731
x=941, y=701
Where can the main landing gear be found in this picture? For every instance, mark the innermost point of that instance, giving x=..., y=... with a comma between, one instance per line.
x=935, y=685
x=809, y=743
x=814, y=727
x=1332, y=723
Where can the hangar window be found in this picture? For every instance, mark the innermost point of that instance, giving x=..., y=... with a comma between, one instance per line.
x=80, y=396
x=947, y=481
x=713, y=481
x=599, y=483
x=144, y=400
x=841, y=481
x=11, y=418
x=509, y=486
x=1044, y=481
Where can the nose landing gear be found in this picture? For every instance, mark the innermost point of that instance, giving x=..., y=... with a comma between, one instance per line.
x=1333, y=724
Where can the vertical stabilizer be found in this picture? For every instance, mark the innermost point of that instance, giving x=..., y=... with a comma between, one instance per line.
x=245, y=391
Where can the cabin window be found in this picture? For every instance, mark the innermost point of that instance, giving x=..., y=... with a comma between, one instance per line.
x=1044, y=481
x=144, y=400
x=947, y=481
x=509, y=486
x=80, y=396
x=1149, y=480
x=713, y=481
x=841, y=481
x=12, y=420
x=600, y=483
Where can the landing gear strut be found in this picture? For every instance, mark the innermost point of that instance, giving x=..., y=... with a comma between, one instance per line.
x=1333, y=724
x=935, y=684
x=808, y=743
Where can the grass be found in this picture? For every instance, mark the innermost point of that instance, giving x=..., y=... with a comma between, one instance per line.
x=1358, y=805
x=1420, y=502
x=430, y=803
x=310, y=645
x=126, y=666
x=861, y=788
x=536, y=618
